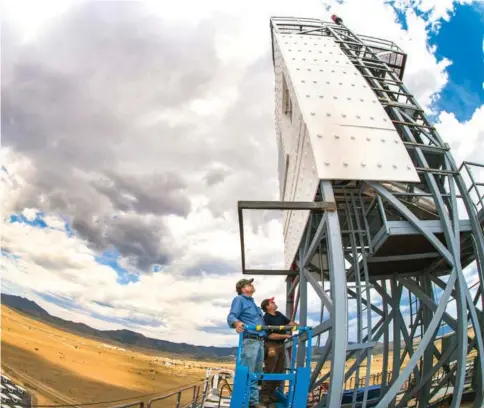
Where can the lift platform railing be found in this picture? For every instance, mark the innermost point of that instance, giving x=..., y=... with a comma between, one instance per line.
x=298, y=377
x=222, y=389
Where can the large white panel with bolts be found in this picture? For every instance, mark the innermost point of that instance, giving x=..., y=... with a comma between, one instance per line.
x=330, y=126
x=351, y=136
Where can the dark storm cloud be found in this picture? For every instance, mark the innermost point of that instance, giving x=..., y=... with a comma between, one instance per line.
x=152, y=194
x=79, y=93
x=140, y=239
x=145, y=243
x=215, y=176
x=101, y=105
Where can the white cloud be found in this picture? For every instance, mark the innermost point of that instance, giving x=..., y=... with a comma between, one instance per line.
x=466, y=139
x=55, y=222
x=437, y=10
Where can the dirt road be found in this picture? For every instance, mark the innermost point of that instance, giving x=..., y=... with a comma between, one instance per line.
x=30, y=383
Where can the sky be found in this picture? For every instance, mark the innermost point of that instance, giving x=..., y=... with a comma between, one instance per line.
x=131, y=129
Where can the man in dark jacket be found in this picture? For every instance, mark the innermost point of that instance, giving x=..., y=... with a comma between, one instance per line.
x=274, y=353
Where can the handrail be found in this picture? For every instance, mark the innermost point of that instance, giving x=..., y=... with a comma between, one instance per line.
x=141, y=404
x=261, y=327
x=474, y=184
x=194, y=386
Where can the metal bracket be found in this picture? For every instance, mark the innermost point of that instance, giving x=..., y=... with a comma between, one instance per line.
x=313, y=206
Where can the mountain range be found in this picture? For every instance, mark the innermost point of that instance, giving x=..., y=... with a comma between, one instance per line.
x=133, y=339
x=125, y=337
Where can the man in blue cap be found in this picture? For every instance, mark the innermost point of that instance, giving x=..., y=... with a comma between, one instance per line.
x=243, y=312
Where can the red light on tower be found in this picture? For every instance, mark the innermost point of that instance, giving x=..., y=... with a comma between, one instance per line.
x=336, y=19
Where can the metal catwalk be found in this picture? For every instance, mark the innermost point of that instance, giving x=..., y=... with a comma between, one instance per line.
x=379, y=223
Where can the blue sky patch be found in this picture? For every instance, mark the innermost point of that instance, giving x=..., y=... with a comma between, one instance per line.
x=460, y=40
x=68, y=229
x=38, y=222
x=401, y=18
x=111, y=258
x=159, y=268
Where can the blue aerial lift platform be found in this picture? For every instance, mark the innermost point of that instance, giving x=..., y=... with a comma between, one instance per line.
x=298, y=377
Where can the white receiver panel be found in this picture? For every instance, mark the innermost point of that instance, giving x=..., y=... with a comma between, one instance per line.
x=351, y=135
x=330, y=126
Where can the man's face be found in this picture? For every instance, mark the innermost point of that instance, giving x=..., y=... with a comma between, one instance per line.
x=272, y=306
x=248, y=289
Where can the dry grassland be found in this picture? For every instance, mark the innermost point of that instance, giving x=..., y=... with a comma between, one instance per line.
x=59, y=367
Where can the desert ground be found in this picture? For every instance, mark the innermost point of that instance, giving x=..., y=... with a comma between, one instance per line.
x=58, y=367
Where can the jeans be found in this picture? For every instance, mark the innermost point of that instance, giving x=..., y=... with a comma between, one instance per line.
x=252, y=356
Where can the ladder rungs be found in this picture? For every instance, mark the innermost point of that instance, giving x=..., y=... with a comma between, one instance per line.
x=383, y=79
x=398, y=122
x=426, y=147
x=436, y=171
x=392, y=92
x=366, y=66
x=400, y=105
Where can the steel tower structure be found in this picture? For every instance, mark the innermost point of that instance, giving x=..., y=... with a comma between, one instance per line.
x=379, y=223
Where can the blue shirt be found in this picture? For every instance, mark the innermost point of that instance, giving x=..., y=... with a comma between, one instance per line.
x=245, y=310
